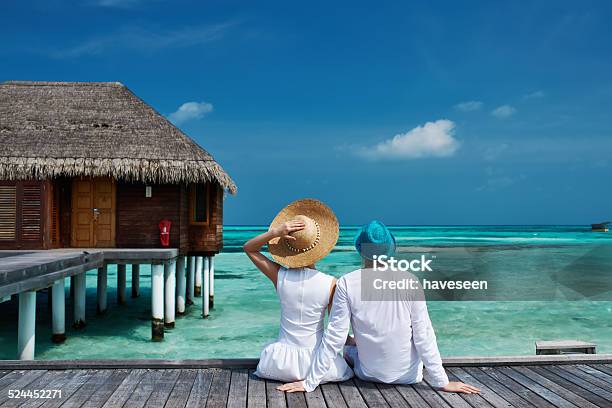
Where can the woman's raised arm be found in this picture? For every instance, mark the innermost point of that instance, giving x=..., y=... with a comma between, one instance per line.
x=253, y=246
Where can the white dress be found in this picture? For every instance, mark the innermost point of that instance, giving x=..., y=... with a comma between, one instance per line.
x=304, y=297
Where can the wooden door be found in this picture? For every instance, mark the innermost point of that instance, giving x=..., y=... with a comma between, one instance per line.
x=93, y=213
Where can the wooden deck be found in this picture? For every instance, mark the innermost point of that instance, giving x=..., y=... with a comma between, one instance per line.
x=563, y=385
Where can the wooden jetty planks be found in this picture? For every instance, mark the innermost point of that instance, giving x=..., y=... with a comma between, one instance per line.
x=238, y=389
x=274, y=398
x=180, y=393
x=411, y=396
x=534, y=386
x=315, y=399
x=604, y=392
x=201, y=388
x=82, y=394
x=256, y=393
x=573, y=385
x=69, y=387
x=370, y=393
x=475, y=400
x=332, y=396
x=59, y=378
x=485, y=392
x=517, y=388
x=497, y=387
x=219, y=388
x=124, y=390
x=18, y=379
x=162, y=388
x=296, y=400
x=563, y=392
x=351, y=394
x=392, y=396
x=104, y=392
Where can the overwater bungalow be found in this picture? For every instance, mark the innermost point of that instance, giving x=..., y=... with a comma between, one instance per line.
x=90, y=175
x=86, y=165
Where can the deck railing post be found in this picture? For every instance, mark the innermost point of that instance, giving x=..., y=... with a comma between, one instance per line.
x=206, y=287
x=190, y=280
x=121, y=284
x=58, y=311
x=212, y=281
x=170, y=293
x=135, y=280
x=157, y=302
x=198, y=276
x=26, y=335
x=80, y=289
x=180, y=285
x=101, y=289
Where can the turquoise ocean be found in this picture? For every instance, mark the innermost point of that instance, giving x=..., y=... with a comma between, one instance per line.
x=531, y=258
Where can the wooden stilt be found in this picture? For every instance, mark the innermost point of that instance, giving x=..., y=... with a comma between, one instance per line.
x=181, y=288
x=101, y=289
x=80, y=288
x=26, y=335
x=157, y=302
x=58, y=312
x=170, y=294
x=135, y=280
x=190, y=280
x=212, y=281
x=206, y=287
x=121, y=284
x=198, y=276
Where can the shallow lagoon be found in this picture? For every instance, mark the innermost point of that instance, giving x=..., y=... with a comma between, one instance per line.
x=245, y=316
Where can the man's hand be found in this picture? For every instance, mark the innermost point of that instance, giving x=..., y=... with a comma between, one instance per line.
x=297, y=386
x=456, y=386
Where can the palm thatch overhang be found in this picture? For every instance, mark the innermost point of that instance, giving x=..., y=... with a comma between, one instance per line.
x=51, y=129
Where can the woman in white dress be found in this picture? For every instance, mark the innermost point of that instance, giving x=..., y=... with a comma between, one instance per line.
x=303, y=233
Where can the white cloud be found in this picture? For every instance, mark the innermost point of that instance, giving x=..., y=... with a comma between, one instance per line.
x=433, y=139
x=143, y=40
x=504, y=111
x=469, y=106
x=534, y=95
x=190, y=111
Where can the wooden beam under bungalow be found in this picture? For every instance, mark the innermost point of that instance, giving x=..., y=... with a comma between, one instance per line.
x=26, y=334
x=80, y=290
x=135, y=280
x=170, y=293
x=198, y=276
x=101, y=289
x=181, y=288
x=58, y=311
x=212, y=282
x=157, y=302
x=190, y=280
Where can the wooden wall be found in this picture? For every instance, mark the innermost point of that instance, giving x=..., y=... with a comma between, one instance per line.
x=208, y=239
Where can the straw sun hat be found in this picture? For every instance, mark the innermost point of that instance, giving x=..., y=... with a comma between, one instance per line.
x=312, y=243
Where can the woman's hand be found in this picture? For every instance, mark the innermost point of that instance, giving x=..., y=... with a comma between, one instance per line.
x=456, y=386
x=286, y=229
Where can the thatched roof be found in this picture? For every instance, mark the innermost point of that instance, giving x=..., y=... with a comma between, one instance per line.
x=50, y=129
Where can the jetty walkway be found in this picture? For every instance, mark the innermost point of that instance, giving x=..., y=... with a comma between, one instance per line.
x=540, y=381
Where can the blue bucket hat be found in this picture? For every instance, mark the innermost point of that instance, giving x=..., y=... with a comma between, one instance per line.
x=375, y=238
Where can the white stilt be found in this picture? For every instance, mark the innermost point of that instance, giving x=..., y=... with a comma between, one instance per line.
x=101, y=289
x=135, y=280
x=80, y=289
x=180, y=285
x=212, y=281
x=170, y=293
x=157, y=302
x=121, y=284
x=58, y=311
x=190, y=279
x=198, y=276
x=206, y=291
x=26, y=335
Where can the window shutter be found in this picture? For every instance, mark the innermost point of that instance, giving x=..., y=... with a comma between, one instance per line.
x=31, y=206
x=8, y=213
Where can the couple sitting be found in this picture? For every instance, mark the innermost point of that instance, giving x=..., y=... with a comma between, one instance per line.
x=392, y=339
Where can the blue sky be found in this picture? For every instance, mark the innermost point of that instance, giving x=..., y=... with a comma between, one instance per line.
x=434, y=113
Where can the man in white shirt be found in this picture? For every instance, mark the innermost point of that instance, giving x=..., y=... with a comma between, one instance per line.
x=393, y=339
